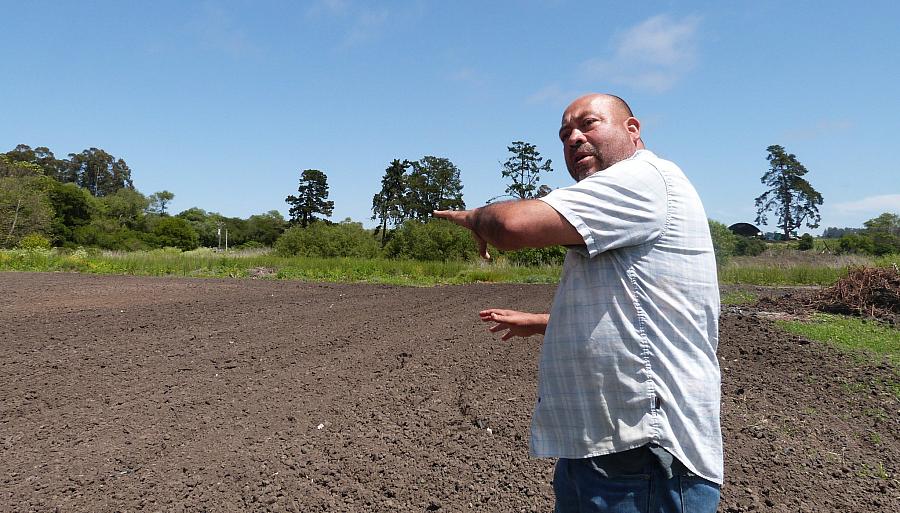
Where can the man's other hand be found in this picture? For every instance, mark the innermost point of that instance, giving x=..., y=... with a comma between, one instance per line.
x=514, y=323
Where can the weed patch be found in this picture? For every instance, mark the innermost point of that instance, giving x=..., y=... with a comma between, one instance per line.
x=849, y=333
x=738, y=297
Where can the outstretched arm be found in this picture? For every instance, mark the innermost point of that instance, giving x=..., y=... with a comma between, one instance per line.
x=516, y=324
x=517, y=224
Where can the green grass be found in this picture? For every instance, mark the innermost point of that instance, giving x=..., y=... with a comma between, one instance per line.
x=738, y=297
x=206, y=263
x=888, y=261
x=787, y=267
x=801, y=275
x=878, y=471
x=783, y=266
x=849, y=333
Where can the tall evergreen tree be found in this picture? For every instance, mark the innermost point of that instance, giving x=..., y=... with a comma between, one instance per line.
x=42, y=157
x=311, y=198
x=790, y=196
x=99, y=172
x=434, y=184
x=387, y=205
x=524, y=169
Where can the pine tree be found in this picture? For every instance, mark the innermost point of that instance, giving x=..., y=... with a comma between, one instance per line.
x=387, y=205
x=524, y=169
x=790, y=196
x=311, y=198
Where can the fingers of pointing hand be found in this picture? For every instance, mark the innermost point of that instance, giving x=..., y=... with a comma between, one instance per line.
x=455, y=216
x=483, y=249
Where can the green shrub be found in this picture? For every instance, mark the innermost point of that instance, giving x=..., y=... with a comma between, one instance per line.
x=748, y=246
x=435, y=240
x=856, y=243
x=250, y=244
x=325, y=240
x=805, y=243
x=551, y=255
x=176, y=232
x=885, y=243
x=110, y=235
x=723, y=240
x=34, y=241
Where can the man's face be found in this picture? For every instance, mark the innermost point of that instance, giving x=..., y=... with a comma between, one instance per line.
x=595, y=135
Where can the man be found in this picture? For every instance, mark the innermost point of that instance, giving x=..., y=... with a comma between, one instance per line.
x=628, y=385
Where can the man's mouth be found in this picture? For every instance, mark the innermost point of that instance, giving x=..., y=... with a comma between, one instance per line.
x=583, y=152
x=581, y=156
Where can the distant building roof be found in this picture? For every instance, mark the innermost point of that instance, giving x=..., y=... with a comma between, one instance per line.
x=745, y=229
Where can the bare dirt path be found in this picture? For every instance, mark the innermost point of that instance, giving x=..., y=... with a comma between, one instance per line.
x=150, y=394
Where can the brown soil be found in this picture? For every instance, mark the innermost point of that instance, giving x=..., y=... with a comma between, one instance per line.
x=142, y=394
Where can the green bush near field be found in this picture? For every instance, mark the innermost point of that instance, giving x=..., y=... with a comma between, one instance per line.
x=34, y=241
x=435, y=240
x=551, y=255
x=325, y=240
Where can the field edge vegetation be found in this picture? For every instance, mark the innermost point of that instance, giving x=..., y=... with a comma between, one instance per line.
x=764, y=270
x=206, y=263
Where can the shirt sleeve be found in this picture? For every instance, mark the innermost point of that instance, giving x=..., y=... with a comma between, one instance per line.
x=623, y=205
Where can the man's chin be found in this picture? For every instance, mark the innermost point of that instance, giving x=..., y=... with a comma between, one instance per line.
x=581, y=174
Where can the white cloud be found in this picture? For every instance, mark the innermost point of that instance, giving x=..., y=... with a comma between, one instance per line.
x=363, y=23
x=468, y=76
x=366, y=25
x=872, y=204
x=332, y=7
x=821, y=128
x=652, y=55
x=553, y=94
x=217, y=29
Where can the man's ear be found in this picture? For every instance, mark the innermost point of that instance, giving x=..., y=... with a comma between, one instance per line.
x=633, y=126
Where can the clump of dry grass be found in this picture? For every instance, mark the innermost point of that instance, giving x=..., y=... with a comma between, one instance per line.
x=865, y=291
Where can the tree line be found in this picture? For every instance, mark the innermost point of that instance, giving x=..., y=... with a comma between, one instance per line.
x=89, y=199
x=410, y=191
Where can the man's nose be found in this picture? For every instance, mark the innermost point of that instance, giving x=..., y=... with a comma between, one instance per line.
x=575, y=139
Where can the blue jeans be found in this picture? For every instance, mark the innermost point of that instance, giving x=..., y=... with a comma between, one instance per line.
x=593, y=485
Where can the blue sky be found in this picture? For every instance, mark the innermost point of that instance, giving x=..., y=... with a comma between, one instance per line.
x=225, y=103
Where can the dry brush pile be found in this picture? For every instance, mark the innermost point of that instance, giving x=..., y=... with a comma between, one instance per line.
x=866, y=292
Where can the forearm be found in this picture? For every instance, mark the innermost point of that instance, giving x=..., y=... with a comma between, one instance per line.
x=496, y=224
x=516, y=224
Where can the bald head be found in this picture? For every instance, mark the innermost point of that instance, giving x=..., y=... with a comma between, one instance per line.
x=597, y=131
x=610, y=102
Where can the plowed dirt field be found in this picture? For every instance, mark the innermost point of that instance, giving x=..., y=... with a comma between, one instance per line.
x=155, y=394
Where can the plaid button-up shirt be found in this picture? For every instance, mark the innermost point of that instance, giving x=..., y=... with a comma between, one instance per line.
x=629, y=356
